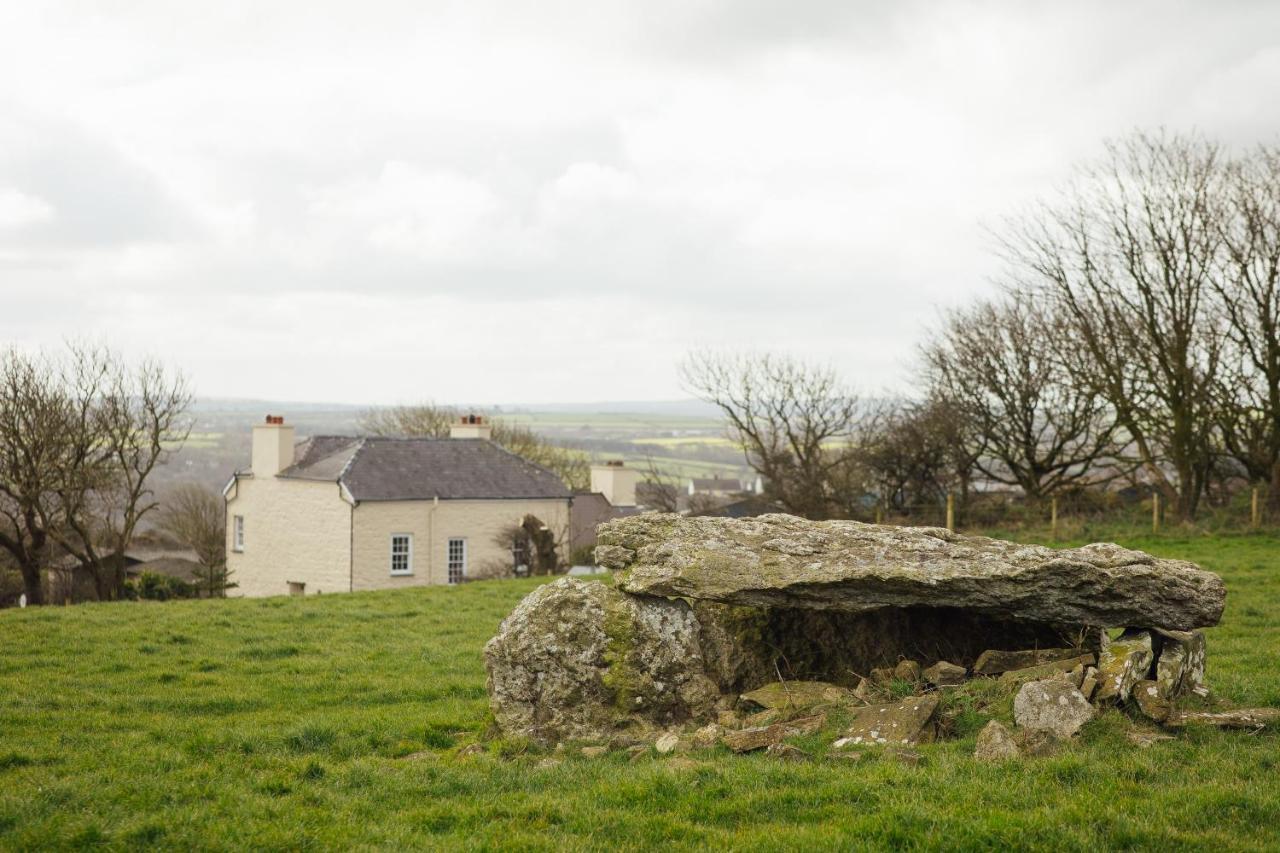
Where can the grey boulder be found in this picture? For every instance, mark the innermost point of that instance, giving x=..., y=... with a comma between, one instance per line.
x=582, y=660
x=1055, y=706
x=995, y=743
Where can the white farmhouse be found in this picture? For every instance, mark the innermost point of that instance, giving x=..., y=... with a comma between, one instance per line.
x=340, y=513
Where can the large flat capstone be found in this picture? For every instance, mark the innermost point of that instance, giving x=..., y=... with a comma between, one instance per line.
x=784, y=561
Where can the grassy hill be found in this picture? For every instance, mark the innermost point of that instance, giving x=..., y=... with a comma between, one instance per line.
x=336, y=722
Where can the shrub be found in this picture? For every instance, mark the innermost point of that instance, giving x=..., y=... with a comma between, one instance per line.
x=149, y=586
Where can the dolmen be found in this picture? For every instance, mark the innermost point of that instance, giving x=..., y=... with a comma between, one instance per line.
x=755, y=625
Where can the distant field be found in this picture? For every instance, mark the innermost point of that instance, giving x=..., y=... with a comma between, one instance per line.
x=689, y=441
x=335, y=722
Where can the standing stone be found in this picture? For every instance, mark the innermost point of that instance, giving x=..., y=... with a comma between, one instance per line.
x=1180, y=667
x=907, y=722
x=1054, y=706
x=944, y=674
x=1123, y=663
x=995, y=743
x=788, y=562
x=1151, y=702
x=580, y=660
x=1089, y=684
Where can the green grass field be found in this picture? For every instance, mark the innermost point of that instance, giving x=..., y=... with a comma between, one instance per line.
x=335, y=722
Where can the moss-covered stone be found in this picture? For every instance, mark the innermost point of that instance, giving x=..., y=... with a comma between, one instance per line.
x=583, y=660
x=782, y=561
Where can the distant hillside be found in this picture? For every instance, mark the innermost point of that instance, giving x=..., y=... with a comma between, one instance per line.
x=682, y=438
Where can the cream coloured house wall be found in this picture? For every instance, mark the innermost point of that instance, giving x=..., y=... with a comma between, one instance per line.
x=432, y=524
x=295, y=531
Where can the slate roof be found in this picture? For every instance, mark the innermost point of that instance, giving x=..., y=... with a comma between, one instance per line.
x=716, y=484
x=387, y=469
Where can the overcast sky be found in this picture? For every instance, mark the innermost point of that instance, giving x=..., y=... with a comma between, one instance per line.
x=531, y=202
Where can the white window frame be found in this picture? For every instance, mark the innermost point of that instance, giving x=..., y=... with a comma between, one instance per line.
x=408, y=555
x=448, y=560
x=237, y=533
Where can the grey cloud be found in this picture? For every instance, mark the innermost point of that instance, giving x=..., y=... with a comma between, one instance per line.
x=99, y=197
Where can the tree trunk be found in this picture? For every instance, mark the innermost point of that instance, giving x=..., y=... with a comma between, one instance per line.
x=31, y=580
x=1273, y=492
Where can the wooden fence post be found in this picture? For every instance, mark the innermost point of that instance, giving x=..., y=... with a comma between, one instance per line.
x=1155, y=512
x=1053, y=517
x=951, y=512
x=879, y=514
x=1255, y=517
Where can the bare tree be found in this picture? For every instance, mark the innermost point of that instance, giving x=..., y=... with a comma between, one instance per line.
x=428, y=420
x=1128, y=258
x=424, y=420
x=997, y=366
x=794, y=422
x=196, y=517
x=662, y=493
x=32, y=444
x=915, y=453
x=125, y=422
x=1248, y=290
x=79, y=439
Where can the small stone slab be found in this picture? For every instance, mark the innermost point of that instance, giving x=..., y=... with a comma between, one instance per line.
x=1150, y=701
x=995, y=743
x=1180, y=666
x=1053, y=705
x=907, y=670
x=1089, y=684
x=707, y=736
x=760, y=737
x=996, y=661
x=945, y=674
x=786, y=752
x=1047, y=670
x=1249, y=718
x=1122, y=664
x=797, y=694
x=905, y=722
x=667, y=743
x=753, y=738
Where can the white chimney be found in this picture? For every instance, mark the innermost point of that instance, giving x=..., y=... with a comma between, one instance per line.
x=272, y=447
x=471, y=426
x=616, y=482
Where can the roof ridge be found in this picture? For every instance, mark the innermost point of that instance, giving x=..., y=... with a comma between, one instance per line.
x=360, y=443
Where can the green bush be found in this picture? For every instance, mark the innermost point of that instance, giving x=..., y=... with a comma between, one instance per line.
x=149, y=586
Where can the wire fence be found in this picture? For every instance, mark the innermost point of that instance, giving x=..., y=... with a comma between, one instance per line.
x=1071, y=516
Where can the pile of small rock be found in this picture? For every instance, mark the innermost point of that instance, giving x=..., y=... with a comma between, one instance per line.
x=1058, y=691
